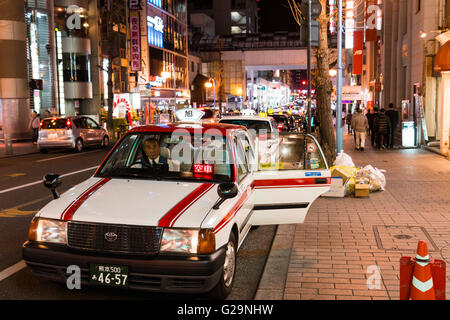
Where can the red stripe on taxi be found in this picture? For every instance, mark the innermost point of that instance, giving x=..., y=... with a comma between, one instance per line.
x=289, y=183
x=172, y=216
x=70, y=210
x=232, y=212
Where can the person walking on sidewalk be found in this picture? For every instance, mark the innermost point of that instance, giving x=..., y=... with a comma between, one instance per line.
x=382, y=127
x=393, y=116
x=349, y=122
x=371, y=117
x=360, y=125
x=34, y=124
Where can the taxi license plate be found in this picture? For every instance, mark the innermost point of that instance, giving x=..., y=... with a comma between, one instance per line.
x=108, y=275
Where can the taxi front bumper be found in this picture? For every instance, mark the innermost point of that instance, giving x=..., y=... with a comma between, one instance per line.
x=161, y=273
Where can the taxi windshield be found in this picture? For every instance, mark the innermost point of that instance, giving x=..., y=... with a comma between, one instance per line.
x=170, y=156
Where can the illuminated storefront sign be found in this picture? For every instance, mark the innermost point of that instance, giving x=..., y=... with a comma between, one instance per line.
x=135, y=42
x=155, y=26
x=157, y=3
x=125, y=102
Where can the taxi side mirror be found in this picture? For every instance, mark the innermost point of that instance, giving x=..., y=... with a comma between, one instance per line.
x=52, y=181
x=226, y=191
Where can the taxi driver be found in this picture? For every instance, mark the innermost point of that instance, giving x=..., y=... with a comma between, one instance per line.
x=152, y=151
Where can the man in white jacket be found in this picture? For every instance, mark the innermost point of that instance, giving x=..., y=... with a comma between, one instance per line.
x=360, y=124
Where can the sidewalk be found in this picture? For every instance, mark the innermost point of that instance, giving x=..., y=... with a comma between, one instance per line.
x=19, y=148
x=336, y=252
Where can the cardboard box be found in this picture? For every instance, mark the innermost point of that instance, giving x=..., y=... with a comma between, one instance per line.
x=362, y=190
x=340, y=173
x=337, y=188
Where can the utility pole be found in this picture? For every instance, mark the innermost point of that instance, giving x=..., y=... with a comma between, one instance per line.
x=339, y=129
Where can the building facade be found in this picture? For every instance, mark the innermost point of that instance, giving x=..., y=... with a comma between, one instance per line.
x=414, y=32
x=230, y=16
x=163, y=79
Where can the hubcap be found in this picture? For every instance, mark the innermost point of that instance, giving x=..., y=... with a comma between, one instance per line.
x=229, y=265
x=79, y=145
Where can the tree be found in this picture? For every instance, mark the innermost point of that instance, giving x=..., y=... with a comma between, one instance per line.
x=323, y=84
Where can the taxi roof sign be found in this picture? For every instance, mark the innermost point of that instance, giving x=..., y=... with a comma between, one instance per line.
x=189, y=115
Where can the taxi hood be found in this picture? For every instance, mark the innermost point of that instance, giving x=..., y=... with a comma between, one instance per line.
x=135, y=202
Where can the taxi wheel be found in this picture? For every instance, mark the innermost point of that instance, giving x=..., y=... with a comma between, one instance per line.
x=225, y=284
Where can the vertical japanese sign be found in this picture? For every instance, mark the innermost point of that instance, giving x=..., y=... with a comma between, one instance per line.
x=349, y=23
x=332, y=8
x=358, y=45
x=135, y=39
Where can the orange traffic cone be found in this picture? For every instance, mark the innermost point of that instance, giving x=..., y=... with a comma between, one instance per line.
x=422, y=281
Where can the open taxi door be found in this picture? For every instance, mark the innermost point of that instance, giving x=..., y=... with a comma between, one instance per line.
x=285, y=187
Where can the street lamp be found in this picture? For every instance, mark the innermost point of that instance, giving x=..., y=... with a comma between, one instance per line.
x=211, y=83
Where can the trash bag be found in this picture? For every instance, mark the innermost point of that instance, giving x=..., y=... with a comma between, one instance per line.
x=372, y=176
x=344, y=159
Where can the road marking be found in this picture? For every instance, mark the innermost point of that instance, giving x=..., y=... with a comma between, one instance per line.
x=16, y=212
x=40, y=181
x=68, y=155
x=15, y=175
x=11, y=270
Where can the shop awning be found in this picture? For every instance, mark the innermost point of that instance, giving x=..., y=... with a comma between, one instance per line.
x=442, y=60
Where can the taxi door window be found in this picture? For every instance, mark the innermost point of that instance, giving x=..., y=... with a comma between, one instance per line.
x=241, y=160
x=244, y=140
x=296, y=152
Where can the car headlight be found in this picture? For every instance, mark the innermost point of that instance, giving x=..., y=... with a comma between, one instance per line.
x=194, y=241
x=48, y=230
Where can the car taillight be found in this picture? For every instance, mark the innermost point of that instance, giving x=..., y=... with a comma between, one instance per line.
x=41, y=123
x=68, y=124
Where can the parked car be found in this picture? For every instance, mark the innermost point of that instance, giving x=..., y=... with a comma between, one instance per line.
x=283, y=122
x=72, y=133
x=176, y=222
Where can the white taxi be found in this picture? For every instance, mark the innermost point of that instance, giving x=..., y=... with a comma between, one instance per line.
x=263, y=129
x=170, y=206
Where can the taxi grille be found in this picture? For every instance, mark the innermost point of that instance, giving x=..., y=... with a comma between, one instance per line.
x=114, y=238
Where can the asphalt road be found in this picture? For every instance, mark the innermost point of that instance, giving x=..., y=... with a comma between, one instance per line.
x=22, y=195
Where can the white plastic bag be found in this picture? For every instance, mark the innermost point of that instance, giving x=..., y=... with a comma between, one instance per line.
x=374, y=176
x=344, y=159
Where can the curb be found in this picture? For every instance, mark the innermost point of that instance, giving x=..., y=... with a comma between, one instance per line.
x=273, y=280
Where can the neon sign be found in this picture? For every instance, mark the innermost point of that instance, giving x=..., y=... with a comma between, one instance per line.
x=155, y=27
x=157, y=3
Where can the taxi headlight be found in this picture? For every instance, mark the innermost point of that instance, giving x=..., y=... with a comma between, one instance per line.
x=194, y=241
x=48, y=230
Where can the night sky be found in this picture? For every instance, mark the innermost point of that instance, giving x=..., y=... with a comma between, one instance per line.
x=275, y=15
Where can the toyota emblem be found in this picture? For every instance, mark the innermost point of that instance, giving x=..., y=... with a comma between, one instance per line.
x=111, y=236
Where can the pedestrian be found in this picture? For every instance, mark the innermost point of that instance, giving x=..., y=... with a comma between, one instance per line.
x=382, y=126
x=349, y=122
x=47, y=114
x=393, y=116
x=128, y=118
x=371, y=118
x=34, y=124
x=360, y=125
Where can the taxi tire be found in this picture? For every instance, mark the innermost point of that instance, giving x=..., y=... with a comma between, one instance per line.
x=221, y=290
